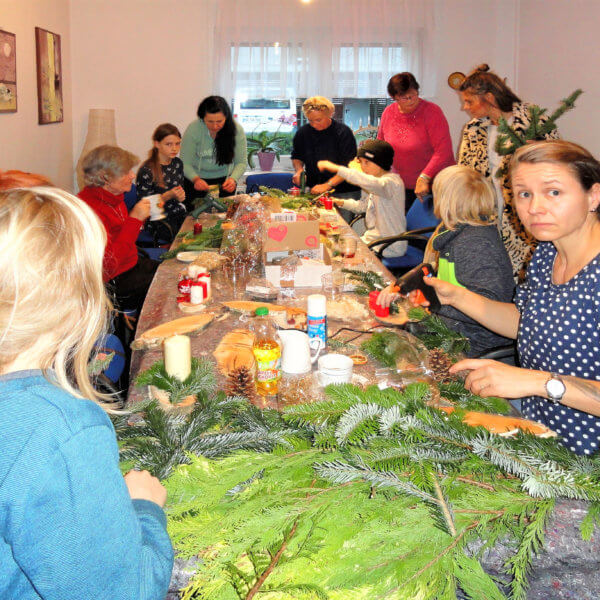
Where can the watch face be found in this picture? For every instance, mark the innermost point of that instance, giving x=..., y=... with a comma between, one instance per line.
x=555, y=388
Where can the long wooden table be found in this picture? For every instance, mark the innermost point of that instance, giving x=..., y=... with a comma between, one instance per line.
x=161, y=306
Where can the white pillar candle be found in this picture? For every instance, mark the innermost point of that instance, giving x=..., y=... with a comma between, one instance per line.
x=177, y=351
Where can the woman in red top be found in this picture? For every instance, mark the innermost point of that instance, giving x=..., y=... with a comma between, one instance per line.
x=419, y=133
x=108, y=174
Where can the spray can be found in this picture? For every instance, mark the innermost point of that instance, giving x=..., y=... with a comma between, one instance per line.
x=316, y=318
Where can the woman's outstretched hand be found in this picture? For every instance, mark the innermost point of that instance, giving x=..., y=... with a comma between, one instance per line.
x=493, y=378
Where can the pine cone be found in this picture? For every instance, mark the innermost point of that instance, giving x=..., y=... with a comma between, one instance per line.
x=440, y=363
x=240, y=382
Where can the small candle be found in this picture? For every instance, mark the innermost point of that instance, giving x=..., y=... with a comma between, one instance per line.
x=177, y=352
x=373, y=299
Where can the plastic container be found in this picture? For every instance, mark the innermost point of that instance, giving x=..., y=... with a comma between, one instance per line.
x=316, y=317
x=267, y=353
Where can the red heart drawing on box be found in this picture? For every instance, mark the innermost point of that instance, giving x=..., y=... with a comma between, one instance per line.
x=300, y=218
x=277, y=233
x=311, y=241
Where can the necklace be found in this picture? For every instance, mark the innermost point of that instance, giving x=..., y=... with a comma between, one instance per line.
x=119, y=215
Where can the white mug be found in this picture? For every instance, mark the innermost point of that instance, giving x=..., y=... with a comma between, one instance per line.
x=296, y=354
x=156, y=211
x=335, y=368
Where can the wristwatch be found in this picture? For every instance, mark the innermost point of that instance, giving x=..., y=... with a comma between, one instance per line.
x=555, y=388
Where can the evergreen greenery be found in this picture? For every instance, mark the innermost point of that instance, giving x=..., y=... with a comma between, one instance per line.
x=539, y=127
x=434, y=333
x=385, y=502
x=210, y=237
x=369, y=281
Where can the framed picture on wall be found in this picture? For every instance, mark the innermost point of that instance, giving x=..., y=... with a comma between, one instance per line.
x=49, y=77
x=8, y=72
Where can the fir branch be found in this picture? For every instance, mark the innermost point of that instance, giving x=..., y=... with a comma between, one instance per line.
x=456, y=392
x=358, y=423
x=533, y=540
x=566, y=104
x=343, y=472
x=473, y=580
x=590, y=521
x=434, y=333
x=201, y=378
x=240, y=487
x=369, y=280
x=288, y=536
x=210, y=238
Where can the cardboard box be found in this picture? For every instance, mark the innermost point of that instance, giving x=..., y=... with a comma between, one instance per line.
x=302, y=234
x=307, y=274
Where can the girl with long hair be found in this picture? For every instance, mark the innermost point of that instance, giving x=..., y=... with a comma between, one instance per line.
x=72, y=526
x=162, y=173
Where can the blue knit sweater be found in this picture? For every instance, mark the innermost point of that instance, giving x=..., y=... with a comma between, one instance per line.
x=68, y=528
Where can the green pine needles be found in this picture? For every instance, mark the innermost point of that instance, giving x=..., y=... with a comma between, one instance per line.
x=375, y=495
x=210, y=238
x=539, y=127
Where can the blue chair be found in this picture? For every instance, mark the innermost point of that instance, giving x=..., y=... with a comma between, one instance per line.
x=281, y=181
x=420, y=224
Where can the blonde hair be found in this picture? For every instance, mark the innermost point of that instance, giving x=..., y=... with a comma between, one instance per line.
x=318, y=103
x=106, y=163
x=52, y=295
x=462, y=195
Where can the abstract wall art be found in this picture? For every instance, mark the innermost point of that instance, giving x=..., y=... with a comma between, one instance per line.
x=8, y=72
x=49, y=77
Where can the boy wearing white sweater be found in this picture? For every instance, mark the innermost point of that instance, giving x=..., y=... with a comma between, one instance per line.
x=383, y=193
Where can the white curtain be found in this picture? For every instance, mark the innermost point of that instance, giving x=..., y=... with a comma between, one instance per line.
x=333, y=48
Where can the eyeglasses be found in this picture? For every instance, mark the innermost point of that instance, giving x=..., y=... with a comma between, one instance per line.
x=315, y=106
x=408, y=97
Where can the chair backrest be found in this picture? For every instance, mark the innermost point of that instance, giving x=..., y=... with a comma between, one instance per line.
x=281, y=181
x=420, y=214
x=130, y=197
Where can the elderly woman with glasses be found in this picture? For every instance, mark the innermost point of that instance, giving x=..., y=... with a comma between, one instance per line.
x=419, y=133
x=323, y=138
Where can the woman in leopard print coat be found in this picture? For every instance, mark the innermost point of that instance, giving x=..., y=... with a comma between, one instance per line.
x=486, y=98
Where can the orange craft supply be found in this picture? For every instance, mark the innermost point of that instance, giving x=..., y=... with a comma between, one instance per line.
x=500, y=424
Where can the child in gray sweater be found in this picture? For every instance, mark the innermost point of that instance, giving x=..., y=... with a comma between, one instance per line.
x=469, y=250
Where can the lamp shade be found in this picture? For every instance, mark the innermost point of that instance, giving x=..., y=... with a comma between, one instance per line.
x=101, y=130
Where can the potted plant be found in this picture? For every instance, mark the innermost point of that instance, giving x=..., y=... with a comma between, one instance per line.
x=267, y=146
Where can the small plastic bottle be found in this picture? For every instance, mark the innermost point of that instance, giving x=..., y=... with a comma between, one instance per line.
x=267, y=353
x=316, y=317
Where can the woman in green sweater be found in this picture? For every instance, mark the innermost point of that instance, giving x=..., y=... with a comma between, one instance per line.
x=213, y=150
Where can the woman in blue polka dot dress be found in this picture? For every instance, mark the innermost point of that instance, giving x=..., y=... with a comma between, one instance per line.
x=556, y=314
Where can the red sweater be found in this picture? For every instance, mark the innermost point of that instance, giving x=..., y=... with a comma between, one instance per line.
x=421, y=141
x=122, y=231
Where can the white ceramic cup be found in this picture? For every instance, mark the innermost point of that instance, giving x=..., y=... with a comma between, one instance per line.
x=335, y=368
x=296, y=354
x=156, y=211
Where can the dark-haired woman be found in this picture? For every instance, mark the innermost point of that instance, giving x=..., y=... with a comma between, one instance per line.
x=162, y=173
x=419, y=133
x=213, y=150
x=485, y=98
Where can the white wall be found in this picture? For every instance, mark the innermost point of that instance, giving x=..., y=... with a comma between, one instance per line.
x=559, y=51
x=468, y=33
x=24, y=144
x=150, y=60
